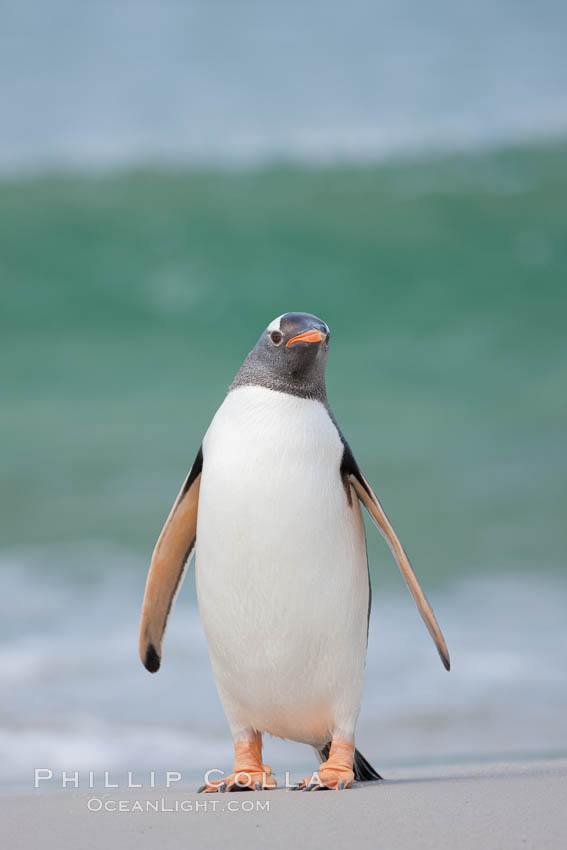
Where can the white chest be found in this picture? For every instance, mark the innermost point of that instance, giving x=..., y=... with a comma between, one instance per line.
x=278, y=455
x=272, y=507
x=280, y=552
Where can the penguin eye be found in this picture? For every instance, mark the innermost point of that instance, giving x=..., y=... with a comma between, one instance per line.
x=276, y=337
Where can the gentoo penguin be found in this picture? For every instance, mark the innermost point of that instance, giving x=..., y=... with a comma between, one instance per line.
x=271, y=510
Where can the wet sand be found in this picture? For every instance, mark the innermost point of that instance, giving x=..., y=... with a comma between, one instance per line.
x=502, y=805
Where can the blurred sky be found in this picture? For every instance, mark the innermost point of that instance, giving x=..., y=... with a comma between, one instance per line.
x=116, y=81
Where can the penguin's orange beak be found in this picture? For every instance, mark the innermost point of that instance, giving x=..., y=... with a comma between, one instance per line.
x=307, y=336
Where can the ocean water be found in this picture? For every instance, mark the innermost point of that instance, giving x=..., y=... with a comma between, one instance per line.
x=174, y=175
x=129, y=301
x=80, y=700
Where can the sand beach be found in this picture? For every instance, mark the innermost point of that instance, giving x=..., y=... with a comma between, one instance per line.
x=500, y=806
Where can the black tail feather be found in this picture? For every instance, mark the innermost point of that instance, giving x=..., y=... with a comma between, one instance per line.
x=363, y=771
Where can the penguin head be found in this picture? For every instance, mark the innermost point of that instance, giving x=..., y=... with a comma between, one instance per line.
x=290, y=356
x=295, y=346
x=296, y=342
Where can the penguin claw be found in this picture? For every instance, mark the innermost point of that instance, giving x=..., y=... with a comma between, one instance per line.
x=243, y=780
x=326, y=780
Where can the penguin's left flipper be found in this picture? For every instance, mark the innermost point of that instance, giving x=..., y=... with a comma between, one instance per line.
x=169, y=561
x=370, y=501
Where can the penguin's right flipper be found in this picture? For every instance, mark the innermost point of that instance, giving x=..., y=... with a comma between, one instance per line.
x=370, y=501
x=170, y=558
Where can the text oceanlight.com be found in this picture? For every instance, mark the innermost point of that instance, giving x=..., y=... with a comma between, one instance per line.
x=99, y=804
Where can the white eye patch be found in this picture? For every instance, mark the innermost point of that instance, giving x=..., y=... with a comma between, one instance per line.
x=275, y=325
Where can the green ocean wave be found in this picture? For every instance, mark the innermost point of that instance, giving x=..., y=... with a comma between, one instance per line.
x=130, y=299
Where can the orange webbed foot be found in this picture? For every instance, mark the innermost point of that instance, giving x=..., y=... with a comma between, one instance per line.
x=326, y=779
x=250, y=773
x=336, y=773
x=243, y=780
